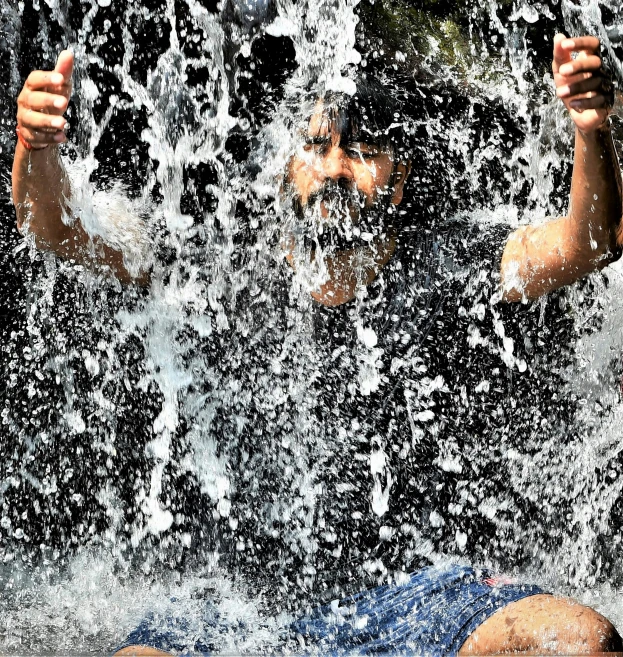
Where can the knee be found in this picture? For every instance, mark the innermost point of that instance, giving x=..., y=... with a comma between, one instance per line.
x=576, y=629
x=546, y=625
x=598, y=634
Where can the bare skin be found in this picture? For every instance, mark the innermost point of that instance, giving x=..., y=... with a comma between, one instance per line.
x=536, y=261
x=41, y=186
x=357, y=163
x=538, y=625
x=544, y=625
x=543, y=258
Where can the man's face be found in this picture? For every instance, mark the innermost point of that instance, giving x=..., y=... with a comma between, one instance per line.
x=342, y=193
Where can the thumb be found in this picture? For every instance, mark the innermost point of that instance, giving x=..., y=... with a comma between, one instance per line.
x=561, y=56
x=65, y=64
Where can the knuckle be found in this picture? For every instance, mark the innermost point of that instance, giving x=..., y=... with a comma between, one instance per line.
x=34, y=78
x=23, y=116
x=27, y=99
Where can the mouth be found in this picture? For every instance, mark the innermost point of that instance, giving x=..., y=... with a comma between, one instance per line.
x=329, y=221
x=335, y=209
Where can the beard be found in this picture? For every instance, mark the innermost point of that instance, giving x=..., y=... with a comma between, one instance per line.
x=335, y=220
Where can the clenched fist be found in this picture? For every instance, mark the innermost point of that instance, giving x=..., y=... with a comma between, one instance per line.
x=581, y=83
x=42, y=102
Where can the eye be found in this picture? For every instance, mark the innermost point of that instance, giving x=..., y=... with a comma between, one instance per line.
x=315, y=147
x=359, y=150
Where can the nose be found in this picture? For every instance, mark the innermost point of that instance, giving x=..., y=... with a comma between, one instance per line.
x=336, y=165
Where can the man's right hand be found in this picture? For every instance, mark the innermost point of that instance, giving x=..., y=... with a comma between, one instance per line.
x=42, y=102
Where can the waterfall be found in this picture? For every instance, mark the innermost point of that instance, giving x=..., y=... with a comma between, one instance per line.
x=191, y=434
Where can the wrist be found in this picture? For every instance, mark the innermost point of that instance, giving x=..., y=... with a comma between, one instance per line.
x=604, y=130
x=26, y=144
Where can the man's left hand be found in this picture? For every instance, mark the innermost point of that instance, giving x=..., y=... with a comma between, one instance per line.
x=582, y=84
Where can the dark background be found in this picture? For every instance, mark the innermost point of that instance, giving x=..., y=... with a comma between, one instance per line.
x=30, y=39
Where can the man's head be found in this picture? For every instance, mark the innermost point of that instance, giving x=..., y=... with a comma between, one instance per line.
x=343, y=185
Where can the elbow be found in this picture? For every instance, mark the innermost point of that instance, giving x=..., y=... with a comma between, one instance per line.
x=607, y=253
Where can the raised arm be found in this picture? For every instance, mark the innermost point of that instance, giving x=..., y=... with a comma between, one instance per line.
x=41, y=187
x=539, y=259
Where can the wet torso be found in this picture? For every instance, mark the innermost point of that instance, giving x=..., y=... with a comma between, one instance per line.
x=376, y=434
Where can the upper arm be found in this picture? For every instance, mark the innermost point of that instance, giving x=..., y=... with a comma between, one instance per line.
x=540, y=259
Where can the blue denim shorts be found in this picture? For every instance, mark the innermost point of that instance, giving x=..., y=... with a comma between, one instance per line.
x=431, y=614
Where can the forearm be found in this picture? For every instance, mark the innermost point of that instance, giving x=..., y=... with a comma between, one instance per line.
x=41, y=194
x=595, y=207
x=539, y=259
x=40, y=188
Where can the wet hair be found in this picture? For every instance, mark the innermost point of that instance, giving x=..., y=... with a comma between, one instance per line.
x=374, y=115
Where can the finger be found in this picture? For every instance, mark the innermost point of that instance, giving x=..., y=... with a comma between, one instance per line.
x=39, y=121
x=596, y=102
x=593, y=83
x=65, y=64
x=561, y=56
x=563, y=80
x=41, y=101
x=39, y=138
x=39, y=80
x=581, y=65
x=577, y=44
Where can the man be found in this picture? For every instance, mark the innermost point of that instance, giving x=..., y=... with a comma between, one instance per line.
x=350, y=249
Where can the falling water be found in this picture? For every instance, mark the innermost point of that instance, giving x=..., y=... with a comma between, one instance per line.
x=133, y=417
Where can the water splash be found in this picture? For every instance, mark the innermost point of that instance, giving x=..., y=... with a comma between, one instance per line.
x=141, y=394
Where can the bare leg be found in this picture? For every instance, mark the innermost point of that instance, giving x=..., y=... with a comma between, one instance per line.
x=544, y=625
